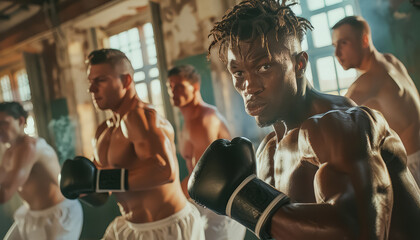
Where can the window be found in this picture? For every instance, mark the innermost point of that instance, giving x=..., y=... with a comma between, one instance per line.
x=139, y=46
x=23, y=85
x=20, y=80
x=323, y=70
x=6, y=88
x=25, y=98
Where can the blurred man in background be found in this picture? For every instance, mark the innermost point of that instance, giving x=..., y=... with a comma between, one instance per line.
x=384, y=84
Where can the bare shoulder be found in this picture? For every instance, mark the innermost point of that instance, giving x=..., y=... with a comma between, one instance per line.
x=28, y=143
x=210, y=112
x=395, y=62
x=143, y=121
x=341, y=137
x=212, y=116
x=391, y=58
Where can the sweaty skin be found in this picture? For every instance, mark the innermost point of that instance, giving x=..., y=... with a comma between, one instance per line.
x=203, y=124
x=342, y=166
x=29, y=167
x=384, y=84
x=138, y=139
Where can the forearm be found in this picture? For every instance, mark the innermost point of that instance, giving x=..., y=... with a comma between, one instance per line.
x=313, y=221
x=150, y=176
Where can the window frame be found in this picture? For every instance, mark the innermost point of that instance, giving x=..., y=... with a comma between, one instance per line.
x=316, y=53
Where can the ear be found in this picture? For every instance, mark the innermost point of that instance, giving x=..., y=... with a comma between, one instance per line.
x=365, y=40
x=196, y=86
x=126, y=80
x=22, y=121
x=301, y=62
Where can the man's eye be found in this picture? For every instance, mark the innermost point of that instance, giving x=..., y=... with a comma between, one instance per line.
x=238, y=74
x=264, y=68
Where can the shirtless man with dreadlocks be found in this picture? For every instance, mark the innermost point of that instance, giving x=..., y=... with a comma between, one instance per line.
x=329, y=170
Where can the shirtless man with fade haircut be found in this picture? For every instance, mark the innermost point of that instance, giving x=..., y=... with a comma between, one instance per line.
x=384, y=84
x=30, y=168
x=134, y=159
x=203, y=124
x=329, y=170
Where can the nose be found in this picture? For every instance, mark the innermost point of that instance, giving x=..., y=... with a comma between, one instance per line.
x=337, y=51
x=92, y=88
x=253, y=85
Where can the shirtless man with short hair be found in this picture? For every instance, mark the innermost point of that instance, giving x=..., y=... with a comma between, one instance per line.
x=203, y=124
x=329, y=170
x=134, y=159
x=384, y=84
x=30, y=168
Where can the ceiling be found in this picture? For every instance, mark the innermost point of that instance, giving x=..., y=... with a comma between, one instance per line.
x=14, y=12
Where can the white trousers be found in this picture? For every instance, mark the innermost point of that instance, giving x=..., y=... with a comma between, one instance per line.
x=219, y=227
x=183, y=225
x=61, y=222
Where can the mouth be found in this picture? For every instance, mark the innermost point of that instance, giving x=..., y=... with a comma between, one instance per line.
x=254, y=108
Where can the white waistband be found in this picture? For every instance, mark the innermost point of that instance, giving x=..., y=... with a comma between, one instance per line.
x=63, y=204
x=163, y=222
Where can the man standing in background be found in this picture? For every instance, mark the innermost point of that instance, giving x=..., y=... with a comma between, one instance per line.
x=203, y=124
x=384, y=84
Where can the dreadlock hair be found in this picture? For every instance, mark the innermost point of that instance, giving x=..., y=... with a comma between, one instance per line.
x=252, y=19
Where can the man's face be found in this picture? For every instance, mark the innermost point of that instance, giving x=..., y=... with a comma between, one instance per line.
x=348, y=46
x=181, y=91
x=267, y=85
x=10, y=127
x=106, y=86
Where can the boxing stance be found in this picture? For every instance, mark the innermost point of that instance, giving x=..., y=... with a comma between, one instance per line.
x=384, y=84
x=134, y=159
x=203, y=124
x=329, y=170
x=30, y=168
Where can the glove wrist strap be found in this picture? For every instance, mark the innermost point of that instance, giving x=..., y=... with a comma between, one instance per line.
x=253, y=203
x=112, y=180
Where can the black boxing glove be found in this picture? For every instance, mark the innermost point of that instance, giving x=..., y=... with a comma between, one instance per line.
x=80, y=175
x=224, y=181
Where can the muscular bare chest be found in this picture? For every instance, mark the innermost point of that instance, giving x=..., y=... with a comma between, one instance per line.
x=282, y=165
x=113, y=149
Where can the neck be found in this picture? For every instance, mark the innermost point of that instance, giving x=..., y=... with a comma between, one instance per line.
x=298, y=112
x=18, y=138
x=370, y=57
x=189, y=110
x=129, y=99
